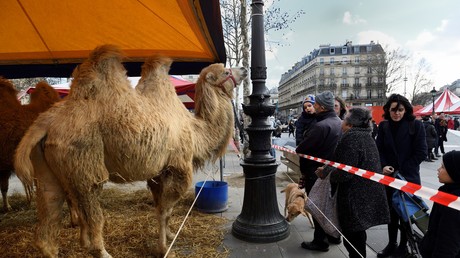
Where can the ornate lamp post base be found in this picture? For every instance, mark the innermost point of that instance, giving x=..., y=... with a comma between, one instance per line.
x=260, y=220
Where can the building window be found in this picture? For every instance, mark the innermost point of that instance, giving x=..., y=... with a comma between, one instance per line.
x=344, y=60
x=321, y=60
x=369, y=94
x=344, y=70
x=357, y=94
x=321, y=71
x=369, y=80
x=332, y=60
x=369, y=49
x=380, y=94
x=369, y=69
x=356, y=81
x=344, y=81
x=344, y=50
x=356, y=59
x=357, y=70
x=356, y=48
x=332, y=71
x=332, y=51
x=380, y=79
x=344, y=94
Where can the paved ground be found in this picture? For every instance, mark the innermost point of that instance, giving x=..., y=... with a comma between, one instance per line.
x=300, y=229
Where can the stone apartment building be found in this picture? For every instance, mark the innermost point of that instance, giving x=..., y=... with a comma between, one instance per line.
x=356, y=73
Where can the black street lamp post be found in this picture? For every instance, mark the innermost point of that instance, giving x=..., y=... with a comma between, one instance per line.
x=433, y=94
x=260, y=220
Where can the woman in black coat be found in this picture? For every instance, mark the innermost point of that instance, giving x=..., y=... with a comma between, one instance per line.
x=361, y=203
x=402, y=147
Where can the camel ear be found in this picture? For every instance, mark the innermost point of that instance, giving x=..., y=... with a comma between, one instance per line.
x=211, y=77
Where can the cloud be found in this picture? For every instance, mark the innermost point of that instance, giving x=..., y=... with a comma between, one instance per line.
x=349, y=19
x=441, y=48
x=387, y=41
x=443, y=26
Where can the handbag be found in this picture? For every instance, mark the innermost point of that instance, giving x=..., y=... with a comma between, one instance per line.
x=323, y=206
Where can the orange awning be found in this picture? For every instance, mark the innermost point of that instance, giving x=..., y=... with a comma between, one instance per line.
x=48, y=38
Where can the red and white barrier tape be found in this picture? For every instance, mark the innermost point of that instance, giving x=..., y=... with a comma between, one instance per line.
x=443, y=198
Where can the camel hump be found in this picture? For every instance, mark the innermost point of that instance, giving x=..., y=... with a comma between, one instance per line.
x=44, y=92
x=105, y=53
x=156, y=66
x=6, y=84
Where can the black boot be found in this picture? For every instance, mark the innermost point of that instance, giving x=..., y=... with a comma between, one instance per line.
x=433, y=157
x=388, y=250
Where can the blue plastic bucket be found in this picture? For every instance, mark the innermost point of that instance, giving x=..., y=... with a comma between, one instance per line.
x=213, y=198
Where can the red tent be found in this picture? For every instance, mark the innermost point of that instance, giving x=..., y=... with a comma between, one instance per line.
x=443, y=103
x=185, y=90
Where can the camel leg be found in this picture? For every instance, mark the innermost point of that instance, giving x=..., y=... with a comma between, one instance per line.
x=50, y=199
x=73, y=213
x=91, y=220
x=4, y=184
x=172, y=184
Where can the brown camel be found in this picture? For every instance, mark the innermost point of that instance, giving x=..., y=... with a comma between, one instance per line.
x=108, y=131
x=14, y=121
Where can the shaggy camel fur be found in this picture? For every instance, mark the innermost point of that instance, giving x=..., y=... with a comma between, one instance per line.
x=14, y=121
x=108, y=131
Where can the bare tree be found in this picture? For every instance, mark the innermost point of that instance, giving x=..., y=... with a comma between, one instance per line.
x=237, y=35
x=420, y=81
x=389, y=67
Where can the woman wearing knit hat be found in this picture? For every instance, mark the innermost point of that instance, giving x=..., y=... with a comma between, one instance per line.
x=443, y=236
x=306, y=119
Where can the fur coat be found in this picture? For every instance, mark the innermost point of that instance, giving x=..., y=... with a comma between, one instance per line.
x=361, y=203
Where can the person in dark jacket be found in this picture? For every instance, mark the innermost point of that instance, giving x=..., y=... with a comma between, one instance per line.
x=442, y=239
x=402, y=147
x=306, y=119
x=431, y=137
x=456, y=123
x=320, y=142
x=441, y=128
x=361, y=203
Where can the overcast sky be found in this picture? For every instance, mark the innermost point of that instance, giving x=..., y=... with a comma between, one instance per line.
x=427, y=29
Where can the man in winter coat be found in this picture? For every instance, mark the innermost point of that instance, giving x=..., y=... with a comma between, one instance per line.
x=320, y=142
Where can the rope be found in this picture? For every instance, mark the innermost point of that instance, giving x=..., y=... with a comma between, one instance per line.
x=187, y=215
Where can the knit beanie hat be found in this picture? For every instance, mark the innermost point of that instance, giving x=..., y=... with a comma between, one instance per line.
x=310, y=98
x=451, y=162
x=326, y=99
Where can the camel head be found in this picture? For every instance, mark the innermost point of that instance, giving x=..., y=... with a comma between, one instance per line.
x=225, y=79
